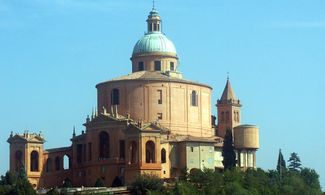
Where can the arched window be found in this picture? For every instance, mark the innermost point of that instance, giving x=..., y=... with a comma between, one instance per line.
x=103, y=145
x=150, y=152
x=18, y=160
x=34, y=161
x=48, y=166
x=66, y=162
x=163, y=155
x=115, y=97
x=235, y=116
x=133, y=152
x=57, y=163
x=194, y=98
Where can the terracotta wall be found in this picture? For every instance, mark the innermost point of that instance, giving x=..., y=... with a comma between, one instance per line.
x=140, y=100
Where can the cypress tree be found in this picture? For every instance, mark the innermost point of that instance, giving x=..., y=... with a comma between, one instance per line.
x=281, y=166
x=228, y=151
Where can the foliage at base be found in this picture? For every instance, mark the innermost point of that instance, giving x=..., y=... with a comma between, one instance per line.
x=15, y=184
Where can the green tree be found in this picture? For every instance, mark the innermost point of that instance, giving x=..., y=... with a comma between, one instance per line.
x=184, y=174
x=147, y=183
x=256, y=181
x=281, y=166
x=294, y=162
x=8, y=179
x=53, y=191
x=311, y=178
x=184, y=188
x=99, y=183
x=197, y=177
x=117, y=182
x=228, y=151
x=67, y=183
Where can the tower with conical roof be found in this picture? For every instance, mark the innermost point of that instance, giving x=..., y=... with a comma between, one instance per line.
x=228, y=110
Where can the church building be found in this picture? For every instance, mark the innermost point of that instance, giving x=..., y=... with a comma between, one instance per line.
x=150, y=121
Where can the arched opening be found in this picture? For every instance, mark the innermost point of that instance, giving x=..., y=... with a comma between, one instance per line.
x=34, y=161
x=194, y=98
x=66, y=162
x=18, y=160
x=150, y=152
x=237, y=115
x=222, y=117
x=115, y=97
x=48, y=166
x=57, y=163
x=133, y=152
x=227, y=116
x=163, y=155
x=103, y=145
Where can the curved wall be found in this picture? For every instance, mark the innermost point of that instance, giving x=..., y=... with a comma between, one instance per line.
x=140, y=98
x=246, y=136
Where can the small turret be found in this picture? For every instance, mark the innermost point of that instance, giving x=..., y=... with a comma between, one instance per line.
x=26, y=151
x=74, y=132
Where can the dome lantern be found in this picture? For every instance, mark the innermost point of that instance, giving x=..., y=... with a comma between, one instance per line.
x=154, y=21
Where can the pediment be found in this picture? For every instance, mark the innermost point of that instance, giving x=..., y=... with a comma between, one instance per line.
x=101, y=118
x=17, y=139
x=26, y=138
x=149, y=127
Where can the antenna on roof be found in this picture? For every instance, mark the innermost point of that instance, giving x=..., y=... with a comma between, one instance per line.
x=153, y=4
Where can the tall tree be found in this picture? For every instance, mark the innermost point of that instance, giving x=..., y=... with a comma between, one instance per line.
x=294, y=162
x=228, y=151
x=281, y=167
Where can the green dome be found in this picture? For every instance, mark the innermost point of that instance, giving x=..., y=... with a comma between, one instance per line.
x=154, y=42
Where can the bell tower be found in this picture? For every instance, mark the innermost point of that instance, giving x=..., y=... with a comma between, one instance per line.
x=228, y=110
x=26, y=151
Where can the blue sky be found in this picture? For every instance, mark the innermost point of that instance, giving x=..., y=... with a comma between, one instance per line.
x=54, y=52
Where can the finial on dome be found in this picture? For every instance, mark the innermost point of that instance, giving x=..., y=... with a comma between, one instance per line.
x=153, y=4
x=227, y=75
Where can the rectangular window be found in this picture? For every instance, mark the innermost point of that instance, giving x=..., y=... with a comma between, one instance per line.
x=192, y=149
x=140, y=66
x=122, y=149
x=89, y=152
x=160, y=116
x=159, y=96
x=157, y=65
x=172, y=66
